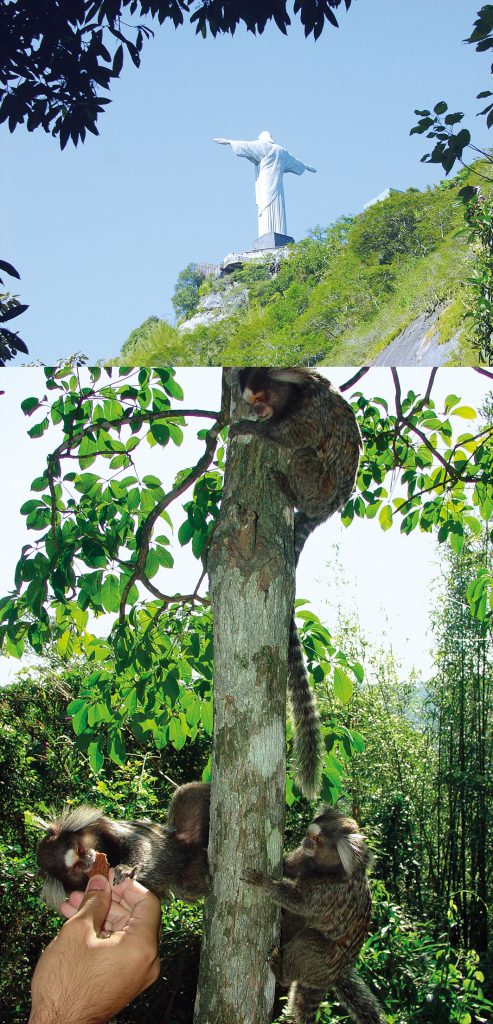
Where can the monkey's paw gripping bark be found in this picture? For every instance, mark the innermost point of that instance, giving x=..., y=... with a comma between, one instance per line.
x=240, y=427
x=274, y=960
x=100, y=866
x=123, y=871
x=253, y=877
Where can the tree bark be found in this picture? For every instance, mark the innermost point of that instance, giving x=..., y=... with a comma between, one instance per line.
x=251, y=568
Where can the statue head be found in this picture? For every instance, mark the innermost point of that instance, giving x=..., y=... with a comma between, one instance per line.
x=265, y=137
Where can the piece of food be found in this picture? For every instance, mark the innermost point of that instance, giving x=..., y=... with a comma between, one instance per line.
x=100, y=866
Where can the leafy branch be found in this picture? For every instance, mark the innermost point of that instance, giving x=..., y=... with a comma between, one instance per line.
x=440, y=123
x=112, y=522
x=98, y=541
x=10, y=307
x=138, y=568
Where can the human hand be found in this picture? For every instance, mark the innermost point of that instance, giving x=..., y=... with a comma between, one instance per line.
x=312, y=169
x=104, y=955
x=222, y=142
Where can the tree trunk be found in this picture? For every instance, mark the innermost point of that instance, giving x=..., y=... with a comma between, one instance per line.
x=251, y=568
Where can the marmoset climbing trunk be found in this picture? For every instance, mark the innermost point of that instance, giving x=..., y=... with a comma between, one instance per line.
x=251, y=568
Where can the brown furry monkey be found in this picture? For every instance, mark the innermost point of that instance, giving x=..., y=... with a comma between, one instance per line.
x=164, y=858
x=299, y=410
x=326, y=910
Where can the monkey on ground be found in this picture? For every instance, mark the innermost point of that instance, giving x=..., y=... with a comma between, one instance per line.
x=164, y=858
x=299, y=410
x=326, y=910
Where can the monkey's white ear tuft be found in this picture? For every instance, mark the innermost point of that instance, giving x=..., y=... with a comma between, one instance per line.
x=74, y=818
x=38, y=822
x=53, y=893
x=352, y=851
x=288, y=374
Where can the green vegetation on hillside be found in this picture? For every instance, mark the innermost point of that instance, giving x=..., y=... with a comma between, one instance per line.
x=344, y=293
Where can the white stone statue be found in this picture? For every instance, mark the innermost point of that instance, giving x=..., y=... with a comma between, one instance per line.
x=271, y=163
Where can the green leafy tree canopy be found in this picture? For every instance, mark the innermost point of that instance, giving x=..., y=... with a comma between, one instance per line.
x=102, y=538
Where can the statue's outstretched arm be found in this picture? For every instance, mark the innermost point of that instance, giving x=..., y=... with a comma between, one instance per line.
x=223, y=142
x=307, y=166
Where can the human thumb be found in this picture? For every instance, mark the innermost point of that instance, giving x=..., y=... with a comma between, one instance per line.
x=96, y=902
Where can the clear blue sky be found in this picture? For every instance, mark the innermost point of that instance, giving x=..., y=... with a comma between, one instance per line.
x=99, y=234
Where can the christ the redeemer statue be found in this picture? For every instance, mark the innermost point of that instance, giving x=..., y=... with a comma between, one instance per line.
x=271, y=163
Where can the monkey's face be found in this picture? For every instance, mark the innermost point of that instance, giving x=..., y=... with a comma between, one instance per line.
x=268, y=397
x=67, y=856
x=334, y=841
x=320, y=845
x=260, y=401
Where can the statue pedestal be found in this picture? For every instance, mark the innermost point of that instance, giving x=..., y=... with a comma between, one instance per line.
x=271, y=240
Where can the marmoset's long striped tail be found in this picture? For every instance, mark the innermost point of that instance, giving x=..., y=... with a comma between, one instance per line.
x=350, y=990
x=308, y=736
x=357, y=999
x=303, y=1004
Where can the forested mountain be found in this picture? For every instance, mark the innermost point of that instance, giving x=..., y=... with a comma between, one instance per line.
x=343, y=295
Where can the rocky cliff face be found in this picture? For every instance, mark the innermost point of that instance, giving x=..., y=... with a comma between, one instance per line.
x=419, y=344
x=216, y=306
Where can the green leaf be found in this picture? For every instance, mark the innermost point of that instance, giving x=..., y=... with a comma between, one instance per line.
x=40, y=483
x=357, y=741
x=116, y=747
x=343, y=687
x=75, y=706
x=170, y=688
x=161, y=737
x=206, y=717
x=110, y=594
x=193, y=712
x=290, y=797
x=152, y=564
x=65, y=644
x=198, y=542
x=79, y=719
x=29, y=405
x=160, y=433
x=96, y=756
x=385, y=517
x=465, y=412
x=175, y=433
x=185, y=533
x=450, y=401
x=14, y=650
x=30, y=505
x=177, y=736
x=165, y=558
x=39, y=428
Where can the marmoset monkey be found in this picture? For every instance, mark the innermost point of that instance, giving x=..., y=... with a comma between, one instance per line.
x=326, y=913
x=299, y=410
x=164, y=858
